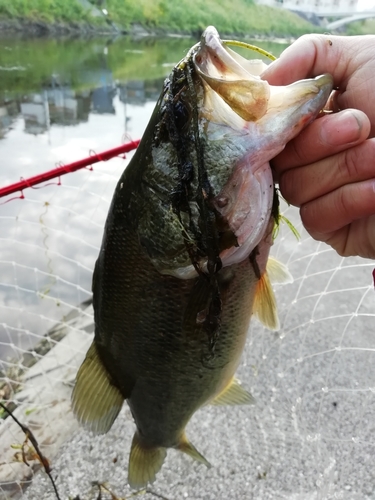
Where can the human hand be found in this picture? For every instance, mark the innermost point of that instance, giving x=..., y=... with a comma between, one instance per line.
x=329, y=169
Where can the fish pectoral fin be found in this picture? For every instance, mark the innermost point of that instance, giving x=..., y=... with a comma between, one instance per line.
x=278, y=272
x=144, y=462
x=186, y=447
x=233, y=394
x=265, y=304
x=96, y=402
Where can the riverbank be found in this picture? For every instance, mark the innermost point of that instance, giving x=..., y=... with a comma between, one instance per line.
x=37, y=29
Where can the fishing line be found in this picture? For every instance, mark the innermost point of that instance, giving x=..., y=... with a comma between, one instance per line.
x=254, y=48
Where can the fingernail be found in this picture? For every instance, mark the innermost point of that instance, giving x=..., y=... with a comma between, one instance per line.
x=341, y=128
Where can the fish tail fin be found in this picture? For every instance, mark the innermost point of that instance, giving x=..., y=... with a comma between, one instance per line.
x=96, y=402
x=186, y=447
x=144, y=462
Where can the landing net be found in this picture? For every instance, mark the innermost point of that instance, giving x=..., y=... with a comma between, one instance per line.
x=310, y=434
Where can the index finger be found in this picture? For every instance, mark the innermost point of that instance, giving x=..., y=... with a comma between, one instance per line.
x=312, y=55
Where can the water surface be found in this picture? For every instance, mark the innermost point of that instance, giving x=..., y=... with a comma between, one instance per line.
x=60, y=100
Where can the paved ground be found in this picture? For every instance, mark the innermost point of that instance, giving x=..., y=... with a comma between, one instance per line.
x=310, y=435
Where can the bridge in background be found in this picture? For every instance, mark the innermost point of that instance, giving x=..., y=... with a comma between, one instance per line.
x=350, y=19
x=343, y=16
x=327, y=13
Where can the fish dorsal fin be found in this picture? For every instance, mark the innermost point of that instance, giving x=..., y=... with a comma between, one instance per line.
x=144, y=462
x=233, y=394
x=96, y=402
x=186, y=447
x=265, y=303
x=278, y=272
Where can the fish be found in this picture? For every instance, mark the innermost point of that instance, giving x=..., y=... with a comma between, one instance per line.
x=184, y=262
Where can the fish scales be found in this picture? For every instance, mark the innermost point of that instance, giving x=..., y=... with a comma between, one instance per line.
x=184, y=262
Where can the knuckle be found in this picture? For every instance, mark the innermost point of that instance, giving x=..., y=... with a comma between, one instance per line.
x=341, y=243
x=299, y=152
x=348, y=165
x=315, y=40
x=296, y=152
x=289, y=188
x=344, y=205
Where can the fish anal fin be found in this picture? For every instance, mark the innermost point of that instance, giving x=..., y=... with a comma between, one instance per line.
x=278, y=272
x=265, y=303
x=144, y=462
x=96, y=402
x=233, y=394
x=186, y=447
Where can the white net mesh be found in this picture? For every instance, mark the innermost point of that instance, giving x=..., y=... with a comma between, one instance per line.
x=310, y=433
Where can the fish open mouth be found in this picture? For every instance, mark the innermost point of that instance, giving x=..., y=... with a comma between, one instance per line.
x=234, y=78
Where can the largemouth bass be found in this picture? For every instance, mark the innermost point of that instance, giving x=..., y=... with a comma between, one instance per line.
x=183, y=263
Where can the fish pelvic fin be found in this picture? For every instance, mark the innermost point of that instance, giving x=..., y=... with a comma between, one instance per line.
x=233, y=394
x=186, y=447
x=144, y=462
x=96, y=402
x=265, y=303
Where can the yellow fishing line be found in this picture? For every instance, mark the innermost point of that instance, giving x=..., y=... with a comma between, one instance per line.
x=250, y=47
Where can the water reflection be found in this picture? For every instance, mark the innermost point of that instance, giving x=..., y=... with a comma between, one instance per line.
x=62, y=81
x=62, y=105
x=9, y=110
x=59, y=100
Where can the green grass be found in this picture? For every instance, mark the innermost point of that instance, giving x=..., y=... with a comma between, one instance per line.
x=182, y=16
x=240, y=16
x=43, y=10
